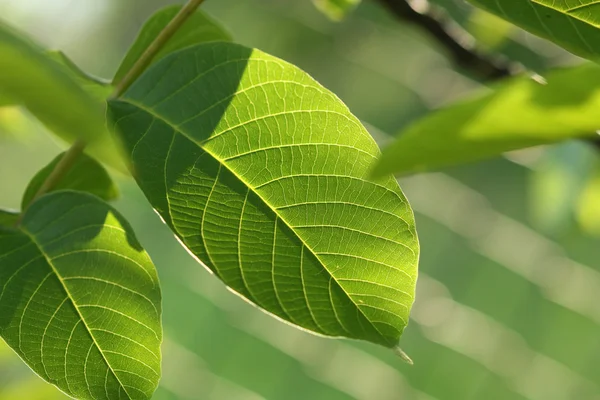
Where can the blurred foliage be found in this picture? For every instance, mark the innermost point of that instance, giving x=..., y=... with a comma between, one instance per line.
x=502, y=312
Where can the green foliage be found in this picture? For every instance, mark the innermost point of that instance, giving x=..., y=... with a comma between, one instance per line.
x=86, y=175
x=263, y=178
x=8, y=217
x=80, y=301
x=571, y=24
x=518, y=113
x=336, y=9
x=199, y=28
x=94, y=86
x=28, y=77
x=271, y=183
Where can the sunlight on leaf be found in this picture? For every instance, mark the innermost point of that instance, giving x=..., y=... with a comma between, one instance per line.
x=518, y=113
x=261, y=173
x=80, y=301
x=574, y=25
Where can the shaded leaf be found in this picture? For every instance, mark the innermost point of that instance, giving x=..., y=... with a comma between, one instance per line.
x=29, y=77
x=571, y=24
x=198, y=28
x=86, y=175
x=80, y=301
x=261, y=173
x=336, y=9
x=96, y=87
x=8, y=217
x=518, y=113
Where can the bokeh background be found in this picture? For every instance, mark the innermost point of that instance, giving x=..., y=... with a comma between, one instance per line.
x=508, y=302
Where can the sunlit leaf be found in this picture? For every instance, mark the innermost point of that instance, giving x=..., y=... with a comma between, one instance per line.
x=86, y=175
x=336, y=9
x=574, y=25
x=517, y=113
x=262, y=174
x=198, y=28
x=80, y=301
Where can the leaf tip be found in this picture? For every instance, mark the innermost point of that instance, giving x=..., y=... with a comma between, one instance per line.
x=400, y=353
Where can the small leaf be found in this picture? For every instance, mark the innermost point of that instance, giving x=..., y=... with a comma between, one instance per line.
x=8, y=217
x=336, y=9
x=261, y=172
x=29, y=77
x=80, y=301
x=519, y=113
x=86, y=175
x=199, y=28
x=572, y=25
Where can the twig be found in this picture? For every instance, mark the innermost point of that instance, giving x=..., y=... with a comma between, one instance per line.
x=462, y=55
x=146, y=58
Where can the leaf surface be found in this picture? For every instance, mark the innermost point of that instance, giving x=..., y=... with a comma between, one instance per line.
x=86, y=175
x=517, y=113
x=8, y=217
x=199, y=28
x=261, y=172
x=96, y=87
x=79, y=300
x=30, y=78
x=574, y=25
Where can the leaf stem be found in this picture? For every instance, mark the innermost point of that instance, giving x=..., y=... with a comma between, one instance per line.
x=60, y=170
x=146, y=58
x=70, y=157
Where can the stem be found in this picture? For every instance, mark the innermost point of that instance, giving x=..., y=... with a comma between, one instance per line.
x=60, y=170
x=463, y=55
x=70, y=157
x=146, y=59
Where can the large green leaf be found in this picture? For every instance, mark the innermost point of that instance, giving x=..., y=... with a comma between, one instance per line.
x=572, y=24
x=80, y=301
x=86, y=175
x=30, y=78
x=199, y=28
x=261, y=172
x=517, y=113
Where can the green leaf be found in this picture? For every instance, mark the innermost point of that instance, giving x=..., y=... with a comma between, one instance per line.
x=571, y=24
x=86, y=175
x=336, y=9
x=96, y=87
x=29, y=77
x=261, y=173
x=199, y=28
x=8, y=217
x=80, y=301
x=518, y=113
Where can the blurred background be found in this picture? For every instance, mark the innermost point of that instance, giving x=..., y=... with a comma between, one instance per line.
x=508, y=301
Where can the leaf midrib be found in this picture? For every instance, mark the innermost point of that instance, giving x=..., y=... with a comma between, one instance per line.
x=70, y=296
x=222, y=162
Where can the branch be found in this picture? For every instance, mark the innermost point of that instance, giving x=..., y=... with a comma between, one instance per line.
x=462, y=55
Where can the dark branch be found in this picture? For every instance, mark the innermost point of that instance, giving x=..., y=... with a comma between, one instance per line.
x=465, y=57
